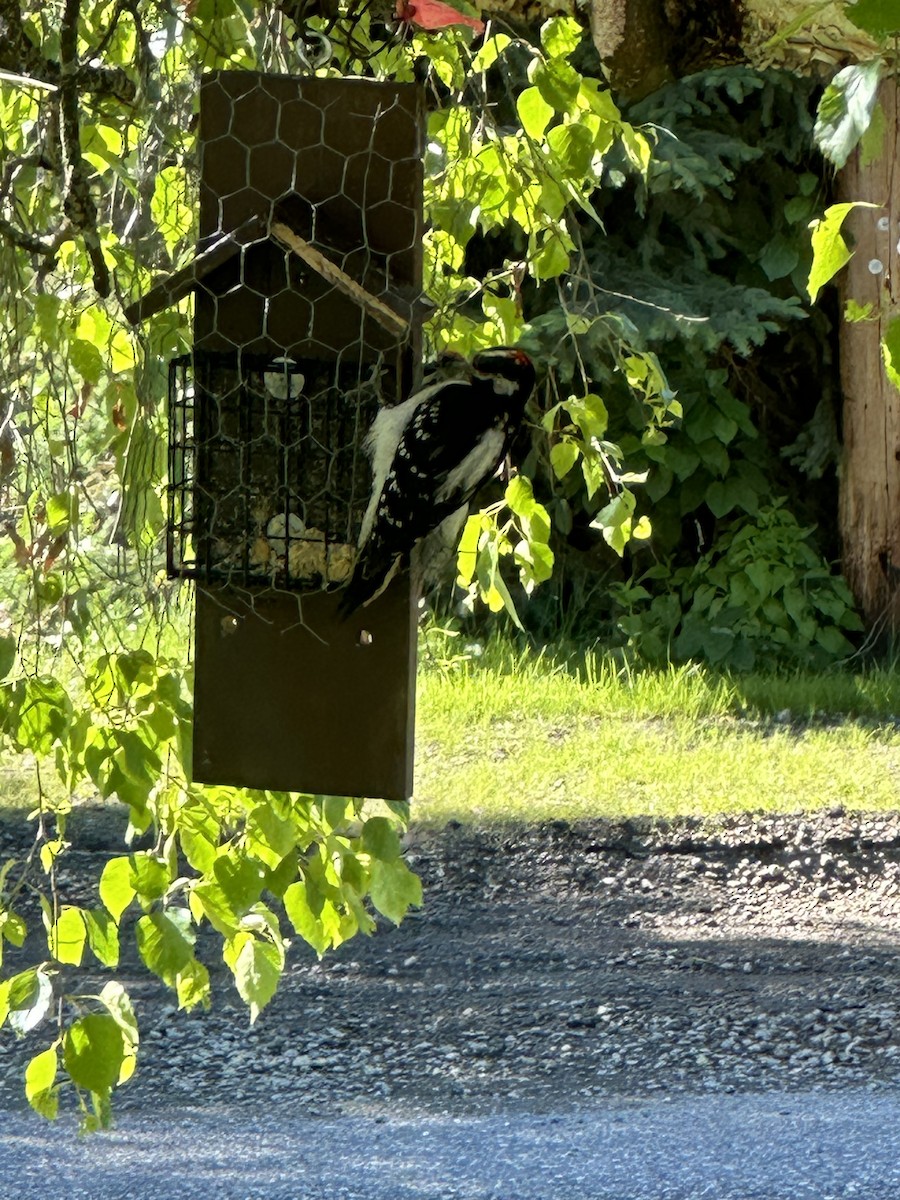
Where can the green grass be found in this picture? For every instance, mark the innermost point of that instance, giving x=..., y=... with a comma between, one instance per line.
x=518, y=736
x=525, y=736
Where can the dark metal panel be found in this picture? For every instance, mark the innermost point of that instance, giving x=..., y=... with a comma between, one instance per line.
x=288, y=696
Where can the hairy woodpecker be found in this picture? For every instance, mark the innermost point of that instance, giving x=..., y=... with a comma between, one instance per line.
x=430, y=455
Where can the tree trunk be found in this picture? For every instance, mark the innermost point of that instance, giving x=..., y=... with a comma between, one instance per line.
x=870, y=479
x=634, y=41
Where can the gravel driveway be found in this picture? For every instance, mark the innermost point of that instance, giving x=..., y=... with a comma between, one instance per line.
x=568, y=992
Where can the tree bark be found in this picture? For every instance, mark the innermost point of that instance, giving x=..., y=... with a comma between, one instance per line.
x=644, y=43
x=634, y=41
x=870, y=476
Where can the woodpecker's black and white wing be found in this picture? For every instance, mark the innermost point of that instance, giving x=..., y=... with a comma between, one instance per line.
x=430, y=455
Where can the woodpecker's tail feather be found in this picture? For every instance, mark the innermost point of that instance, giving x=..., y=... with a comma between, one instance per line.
x=362, y=590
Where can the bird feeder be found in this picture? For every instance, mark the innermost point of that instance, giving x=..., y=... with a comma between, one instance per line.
x=305, y=281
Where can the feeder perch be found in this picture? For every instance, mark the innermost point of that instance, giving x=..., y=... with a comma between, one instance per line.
x=306, y=283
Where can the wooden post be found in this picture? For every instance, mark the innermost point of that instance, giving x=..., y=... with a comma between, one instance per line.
x=870, y=472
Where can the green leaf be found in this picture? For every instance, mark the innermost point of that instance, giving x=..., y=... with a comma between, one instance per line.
x=93, y=1050
x=102, y=936
x=305, y=919
x=560, y=36
x=858, y=312
x=642, y=529
x=496, y=596
x=552, y=259
x=573, y=149
x=118, y=1004
x=50, y=852
x=270, y=837
x=171, y=207
x=379, y=838
x=30, y=998
x=44, y=715
x=208, y=900
x=833, y=641
x=467, y=551
x=46, y=310
x=558, y=83
x=520, y=495
x=67, y=937
x=192, y=986
x=257, y=969
x=890, y=351
x=62, y=512
x=845, y=110
x=881, y=18
x=86, y=359
x=240, y=879
x=563, y=457
x=12, y=928
x=830, y=251
x=149, y=875
x=534, y=113
x=7, y=654
x=614, y=521
x=395, y=889
x=490, y=51
x=779, y=257
x=535, y=560
x=164, y=945
x=283, y=875
x=590, y=414
x=760, y=575
x=199, y=837
x=40, y=1077
x=724, y=495
x=116, y=888
x=335, y=810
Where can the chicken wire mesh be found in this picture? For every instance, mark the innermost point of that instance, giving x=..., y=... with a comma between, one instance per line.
x=306, y=290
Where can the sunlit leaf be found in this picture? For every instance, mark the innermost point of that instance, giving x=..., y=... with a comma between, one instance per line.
x=560, y=36
x=40, y=1077
x=118, y=1004
x=306, y=920
x=66, y=939
x=395, y=889
x=563, y=456
x=379, y=838
x=846, y=109
x=164, y=945
x=30, y=997
x=534, y=112
x=93, y=1049
x=256, y=966
x=890, y=350
x=102, y=936
x=192, y=986
x=830, y=251
x=116, y=887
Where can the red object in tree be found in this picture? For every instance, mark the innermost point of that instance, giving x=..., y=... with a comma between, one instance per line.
x=433, y=14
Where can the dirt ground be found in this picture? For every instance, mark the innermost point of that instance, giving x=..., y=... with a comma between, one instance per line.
x=551, y=966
